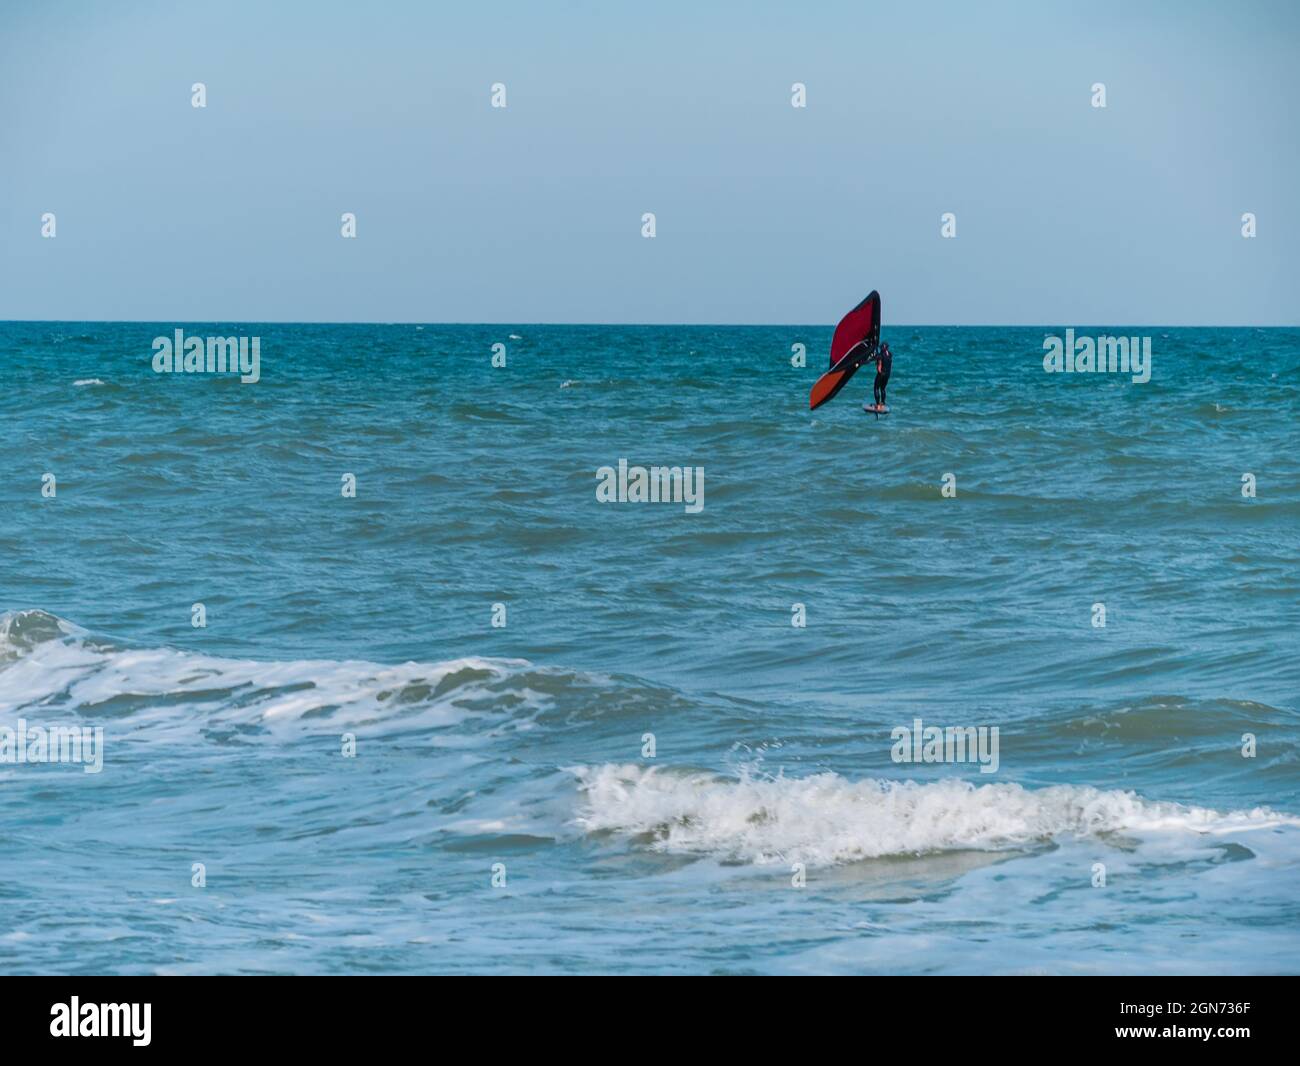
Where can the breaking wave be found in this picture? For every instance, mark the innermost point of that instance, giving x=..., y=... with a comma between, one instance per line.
x=825, y=819
x=51, y=667
x=50, y=664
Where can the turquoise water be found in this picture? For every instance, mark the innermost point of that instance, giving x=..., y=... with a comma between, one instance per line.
x=522, y=747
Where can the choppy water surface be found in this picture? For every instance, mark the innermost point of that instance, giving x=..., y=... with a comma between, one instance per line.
x=523, y=745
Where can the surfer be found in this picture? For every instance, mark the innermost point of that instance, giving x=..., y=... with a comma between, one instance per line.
x=884, y=360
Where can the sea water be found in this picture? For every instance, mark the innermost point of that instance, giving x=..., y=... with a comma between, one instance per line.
x=384, y=686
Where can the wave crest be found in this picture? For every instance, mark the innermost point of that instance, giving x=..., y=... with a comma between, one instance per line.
x=22, y=631
x=827, y=820
x=48, y=663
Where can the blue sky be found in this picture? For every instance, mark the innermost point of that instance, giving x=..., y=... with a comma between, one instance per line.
x=1065, y=213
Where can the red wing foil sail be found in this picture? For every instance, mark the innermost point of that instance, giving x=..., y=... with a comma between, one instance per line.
x=855, y=341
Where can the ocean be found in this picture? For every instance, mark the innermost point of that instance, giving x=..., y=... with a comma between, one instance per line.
x=447, y=711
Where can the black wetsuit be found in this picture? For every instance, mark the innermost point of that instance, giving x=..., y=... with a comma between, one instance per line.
x=884, y=364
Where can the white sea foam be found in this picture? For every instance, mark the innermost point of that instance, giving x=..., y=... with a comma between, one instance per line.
x=825, y=819
x=46, y=661
x=88, y=381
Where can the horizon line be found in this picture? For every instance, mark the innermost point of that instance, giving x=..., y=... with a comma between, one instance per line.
x=662, y=325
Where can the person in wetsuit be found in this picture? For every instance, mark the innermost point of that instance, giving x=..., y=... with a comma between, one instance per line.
x=884, y=360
